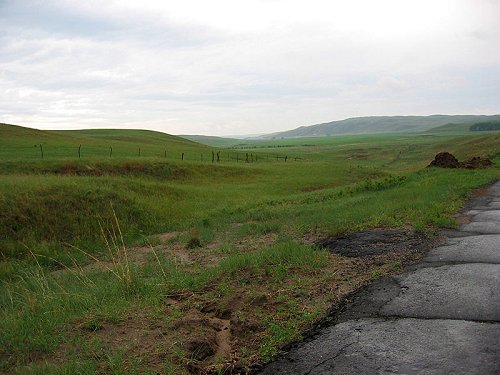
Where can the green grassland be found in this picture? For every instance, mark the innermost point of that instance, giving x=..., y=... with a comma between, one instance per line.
x=20, y=143
x=97, y=247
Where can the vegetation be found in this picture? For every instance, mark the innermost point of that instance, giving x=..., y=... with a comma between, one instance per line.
x=486, y=126
x=466, y=127
x=147, y=264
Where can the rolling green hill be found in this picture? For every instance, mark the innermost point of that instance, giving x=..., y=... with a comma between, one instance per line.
x=378, y=124
x=17, y=142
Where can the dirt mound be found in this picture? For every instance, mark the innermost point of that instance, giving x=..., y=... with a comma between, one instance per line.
x=447, y=160
x=373, y=242
x=476, y=162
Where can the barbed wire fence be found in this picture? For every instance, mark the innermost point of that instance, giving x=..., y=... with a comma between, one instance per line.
x=46, y=151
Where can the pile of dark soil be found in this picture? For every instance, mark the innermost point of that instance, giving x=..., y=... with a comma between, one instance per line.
x=374, y=242
x=447, y=160
x=476, y=162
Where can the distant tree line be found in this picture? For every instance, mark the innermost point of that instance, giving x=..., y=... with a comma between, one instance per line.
x=485, y=126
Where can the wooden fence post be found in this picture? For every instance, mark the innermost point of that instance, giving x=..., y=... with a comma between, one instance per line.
x=139, y=151
x=182, y=156
x=41, y=150
x=79, y=154
x=110, y=151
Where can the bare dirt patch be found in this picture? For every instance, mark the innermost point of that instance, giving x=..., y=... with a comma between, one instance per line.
x=139, y=334
x=374, y=242
x=227, y=325
x=252, y=243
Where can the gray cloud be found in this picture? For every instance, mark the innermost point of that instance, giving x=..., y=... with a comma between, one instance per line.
x=268, y=67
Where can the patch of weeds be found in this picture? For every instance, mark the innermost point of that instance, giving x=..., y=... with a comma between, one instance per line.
x=118, y=363
x=396, y=265
x=278, y=334
x=228, y=248
x=193, y=243
x=223, y=289
x=419, y=226
x=153, y=240
x=307, y=316
x=205, y=231
x=259, y=229
x=92, y=325
x=72, y=366
x=278, y=271
x=194, y=240
x=377, y=273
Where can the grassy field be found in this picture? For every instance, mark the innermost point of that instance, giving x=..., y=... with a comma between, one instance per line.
x=147, y=264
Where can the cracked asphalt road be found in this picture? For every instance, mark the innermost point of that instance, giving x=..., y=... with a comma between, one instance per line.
x=442, y=316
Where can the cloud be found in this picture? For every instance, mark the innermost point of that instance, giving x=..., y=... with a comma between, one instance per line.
x=226, y=67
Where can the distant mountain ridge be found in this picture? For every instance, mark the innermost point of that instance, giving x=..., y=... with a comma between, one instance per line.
x=379, y=124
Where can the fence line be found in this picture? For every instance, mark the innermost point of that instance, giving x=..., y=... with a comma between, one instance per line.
x=81, y=151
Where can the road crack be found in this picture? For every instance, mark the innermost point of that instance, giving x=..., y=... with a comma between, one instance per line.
x=341, y=351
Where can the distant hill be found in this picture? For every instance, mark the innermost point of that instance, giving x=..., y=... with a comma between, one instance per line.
x=379, y=124
x=451, y=128
x=466, y=127
x=213, y=141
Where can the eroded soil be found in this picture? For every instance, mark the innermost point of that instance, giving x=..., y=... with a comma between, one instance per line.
x=229, y=325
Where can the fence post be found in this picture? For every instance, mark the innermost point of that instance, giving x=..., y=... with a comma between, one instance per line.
x=218, y=156
x=213, y=157
x=139, y=151
x=79, y=154
x=182, y=156
x=286, y=157
x=165, y=153
x=110, y=151
x=41, y=150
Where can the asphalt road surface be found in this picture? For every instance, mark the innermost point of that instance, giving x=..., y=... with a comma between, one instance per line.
x=442, y=316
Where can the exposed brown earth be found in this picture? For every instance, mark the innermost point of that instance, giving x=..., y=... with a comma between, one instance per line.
x=223, y=329
x=447, y=160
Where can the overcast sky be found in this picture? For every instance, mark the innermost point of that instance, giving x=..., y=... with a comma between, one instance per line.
x=224, y=67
